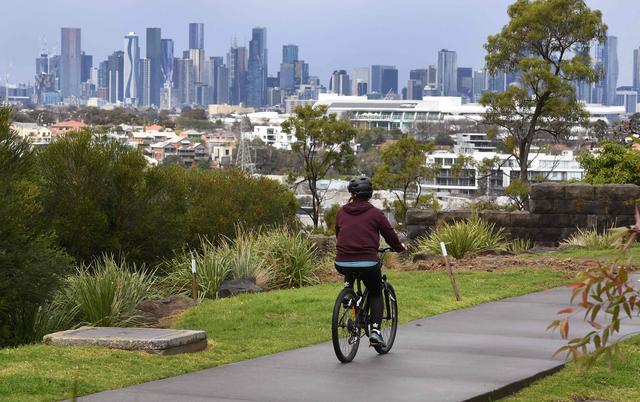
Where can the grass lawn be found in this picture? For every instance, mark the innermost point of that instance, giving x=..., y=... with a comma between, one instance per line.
x=619, y=383
x=244, y=327
x=604, y=254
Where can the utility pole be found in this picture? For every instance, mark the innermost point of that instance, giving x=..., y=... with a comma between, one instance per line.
x=243, y=158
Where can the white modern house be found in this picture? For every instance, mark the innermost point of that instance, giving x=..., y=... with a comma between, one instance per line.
x=271, y=135
x=38, y=136
x=468, y=143
x=471, y=181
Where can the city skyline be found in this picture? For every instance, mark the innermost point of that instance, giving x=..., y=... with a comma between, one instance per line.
x=346, y=47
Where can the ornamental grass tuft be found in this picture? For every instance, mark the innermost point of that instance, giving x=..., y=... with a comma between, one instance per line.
x=471, y=236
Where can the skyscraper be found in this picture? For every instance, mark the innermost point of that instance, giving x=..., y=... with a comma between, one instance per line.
x=154, y=55
x=607, y=59
x=196, y=35
x=86, y=63
x=211, y=76
x=145, y=83
x=103, y=80
x=636, y=69
x=376, y=78
x=359, y=75
x=465, y=83
x=222, y=89
x=432, y=75
x=131, y=68
x=340, y=83
x=389, y=81
x=287, y=76
x=237, y=65
x=301, y=74
x=419, y=74
x=257, y=74
x=116, y=77
x=197, y=57
x=289, y=54
x=414, y=89
x=479, y=84
x=447, y=78
x=184, y=83
x=70, y=62
x=166, y=66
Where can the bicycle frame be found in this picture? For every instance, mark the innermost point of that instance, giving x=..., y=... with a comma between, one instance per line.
x=362, y=309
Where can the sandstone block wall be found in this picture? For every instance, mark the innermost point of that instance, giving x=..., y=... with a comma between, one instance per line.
x=556, y=210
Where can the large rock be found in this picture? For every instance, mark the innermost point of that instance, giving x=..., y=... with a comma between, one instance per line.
x=152, y=312
x=238, y=286
x=547, y=191
x=499, y=218
x=323, y=244
x=423, y=217
x=524, y=219
x=454, y=216
x=542, y=206
x=415, y=231
x=617, y=192
x=580, y=191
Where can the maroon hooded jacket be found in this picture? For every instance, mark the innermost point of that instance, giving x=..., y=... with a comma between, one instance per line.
x=358, y=228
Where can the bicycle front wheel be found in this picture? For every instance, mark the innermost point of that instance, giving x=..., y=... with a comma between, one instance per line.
x=344, y=329
x=389, y=324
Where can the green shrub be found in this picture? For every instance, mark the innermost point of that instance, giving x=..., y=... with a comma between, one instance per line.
x=330, y=219
x=222, y=199
x=611, y=163
x=213, y=266
x=590, y=238
x=289, y=259
x=105, y=293
x=100, y=196
x=243, y=254
x=463, y=237
x=50, y=318
x=519, y=245
x=31, y=266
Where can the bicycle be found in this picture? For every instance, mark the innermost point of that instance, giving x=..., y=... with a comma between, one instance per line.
x=351, y=319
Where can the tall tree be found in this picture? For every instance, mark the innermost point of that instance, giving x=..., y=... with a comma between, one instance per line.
x=323, y=144
x=404, y=164
x=30, y=265
x=547, y=42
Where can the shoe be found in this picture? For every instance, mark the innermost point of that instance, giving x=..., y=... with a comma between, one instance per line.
x=346, y=302
x=376, y=338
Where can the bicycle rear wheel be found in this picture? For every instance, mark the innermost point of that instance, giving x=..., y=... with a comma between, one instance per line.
x=344, y=329
x=389, y=324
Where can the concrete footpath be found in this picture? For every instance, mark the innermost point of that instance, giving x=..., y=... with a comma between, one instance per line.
x=481, y=353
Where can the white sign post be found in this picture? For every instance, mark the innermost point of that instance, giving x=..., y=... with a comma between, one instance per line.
x=194, y=287
x=454, y=285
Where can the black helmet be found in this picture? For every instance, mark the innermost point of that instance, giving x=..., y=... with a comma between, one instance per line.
x=361, y=187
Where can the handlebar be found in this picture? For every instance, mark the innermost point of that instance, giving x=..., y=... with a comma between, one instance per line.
x=383, y=250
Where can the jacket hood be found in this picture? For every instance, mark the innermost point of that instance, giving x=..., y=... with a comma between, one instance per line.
x=357, y=207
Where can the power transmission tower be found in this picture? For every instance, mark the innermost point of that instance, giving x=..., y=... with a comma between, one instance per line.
x=243, y=158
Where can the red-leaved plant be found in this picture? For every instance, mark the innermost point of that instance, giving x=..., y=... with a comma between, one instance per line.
x=605, y=291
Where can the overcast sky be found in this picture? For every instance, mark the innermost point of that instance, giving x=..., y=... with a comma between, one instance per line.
x=331, y=34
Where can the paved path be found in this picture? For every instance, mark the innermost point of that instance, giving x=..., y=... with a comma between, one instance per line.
x=479, y=353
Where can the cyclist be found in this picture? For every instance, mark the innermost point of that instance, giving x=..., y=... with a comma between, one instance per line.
x=358, y=228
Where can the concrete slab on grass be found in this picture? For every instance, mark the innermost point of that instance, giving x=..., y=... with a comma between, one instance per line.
x=157, y=341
